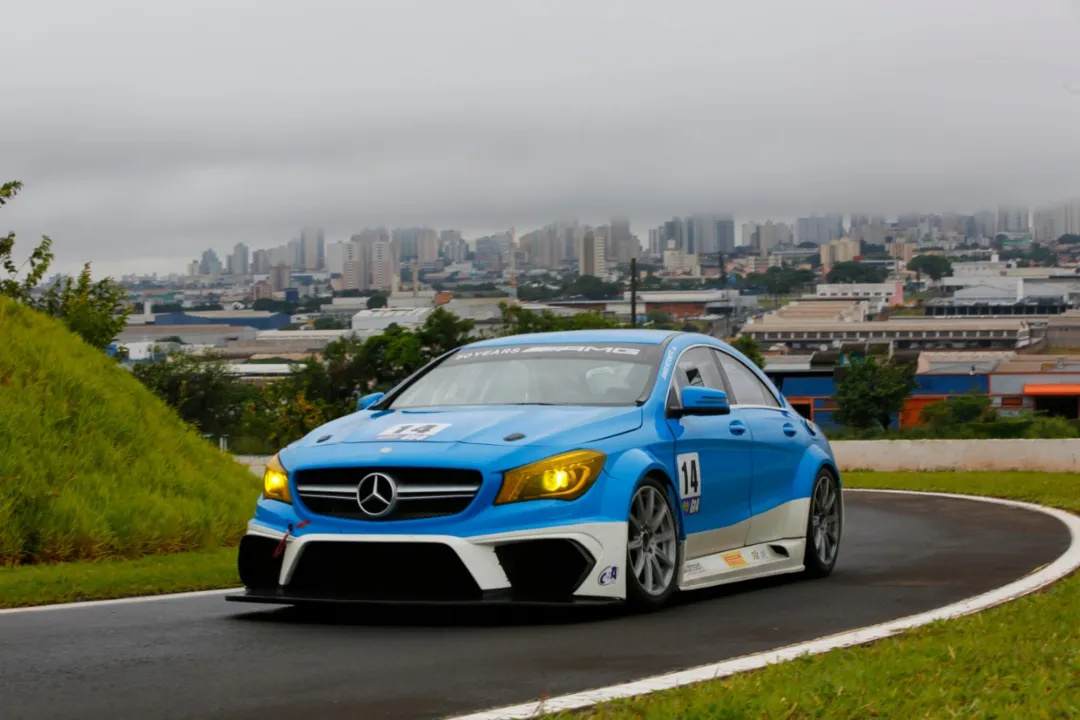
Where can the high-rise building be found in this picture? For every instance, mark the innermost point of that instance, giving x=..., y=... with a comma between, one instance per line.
x=262, y=290
x=238, y=261
x=313, y=249
x=355, y=274
x=819, y=230
x=622, y=243
x=335, y=257
x=493, y=251
x=749, y=235
x=773, y=235
x=1050, y=223
x=902, y=251
x=383, y=266
x=836, y=251
x=294, y=256
x=260, y=262
x=194, y=268
x=210, y=264
x=592, y=260
x=427, y=245
x=452, y=246
x=703, y=235
x=725, y=234
x=1013, y=218
x=280, y=277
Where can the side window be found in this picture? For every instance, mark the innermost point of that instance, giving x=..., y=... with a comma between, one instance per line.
x=746, y=388
x=695, y=367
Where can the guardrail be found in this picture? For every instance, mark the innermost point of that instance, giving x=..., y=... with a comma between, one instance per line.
x=897, y=455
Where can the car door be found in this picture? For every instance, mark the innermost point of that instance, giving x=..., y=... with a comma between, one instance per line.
x=713, y=456
x=780, y=442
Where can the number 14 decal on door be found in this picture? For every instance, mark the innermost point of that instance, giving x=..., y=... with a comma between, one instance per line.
x=689, y=469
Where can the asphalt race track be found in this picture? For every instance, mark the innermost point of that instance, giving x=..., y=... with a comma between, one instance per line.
x=203, y=657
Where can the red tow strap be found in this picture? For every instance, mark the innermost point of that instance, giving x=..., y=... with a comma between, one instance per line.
x=285, y=538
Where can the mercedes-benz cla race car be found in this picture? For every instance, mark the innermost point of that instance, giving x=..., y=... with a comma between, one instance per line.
x=572, y=467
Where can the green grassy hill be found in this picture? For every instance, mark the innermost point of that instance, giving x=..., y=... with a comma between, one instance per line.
x=92, y=465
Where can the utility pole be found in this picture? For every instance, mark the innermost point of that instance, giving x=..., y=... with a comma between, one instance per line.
x=633, y=292
x=513, y=265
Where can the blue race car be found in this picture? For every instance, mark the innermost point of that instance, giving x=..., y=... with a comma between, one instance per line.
x=584, y=467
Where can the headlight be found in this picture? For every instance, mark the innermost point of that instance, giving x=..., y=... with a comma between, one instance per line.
x=276, y=481
x=562, y=477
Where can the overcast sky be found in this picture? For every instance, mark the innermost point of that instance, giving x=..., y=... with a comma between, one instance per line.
x=146, y=131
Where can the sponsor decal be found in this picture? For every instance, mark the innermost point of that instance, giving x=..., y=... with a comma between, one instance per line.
x=758, y=555
x=630, y=351
x=735, y=559
x=665, y=371
x=411, y=431
x=693, y=568
x=611, y=572
x=689, y=468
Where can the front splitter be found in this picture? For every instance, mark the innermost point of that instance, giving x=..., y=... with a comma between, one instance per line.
x=488, y=599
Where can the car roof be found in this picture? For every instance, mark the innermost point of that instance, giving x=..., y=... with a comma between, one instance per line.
x=640, y=337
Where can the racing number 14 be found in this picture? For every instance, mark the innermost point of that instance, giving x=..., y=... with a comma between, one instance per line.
x=689, y=482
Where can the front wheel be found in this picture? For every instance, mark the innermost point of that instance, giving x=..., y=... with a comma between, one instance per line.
x=653, y=553
x=823, y=526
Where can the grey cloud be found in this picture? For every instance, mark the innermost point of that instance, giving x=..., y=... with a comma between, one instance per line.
x=146, y=130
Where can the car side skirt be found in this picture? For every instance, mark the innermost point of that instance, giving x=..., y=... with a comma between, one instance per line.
x=776, y=557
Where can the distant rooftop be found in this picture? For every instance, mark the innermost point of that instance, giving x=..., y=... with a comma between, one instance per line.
x=211, y=314
x=393, y=312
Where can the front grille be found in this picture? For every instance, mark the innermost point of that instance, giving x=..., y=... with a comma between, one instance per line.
x=421, y=492
x=383, y=571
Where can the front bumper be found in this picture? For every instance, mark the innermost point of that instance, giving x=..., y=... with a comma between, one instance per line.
x=567, y=564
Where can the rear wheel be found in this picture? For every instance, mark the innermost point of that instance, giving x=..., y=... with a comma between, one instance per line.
x=653, y=553
x=823, y=526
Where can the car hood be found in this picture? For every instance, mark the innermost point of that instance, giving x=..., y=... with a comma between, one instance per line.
x=491, y=425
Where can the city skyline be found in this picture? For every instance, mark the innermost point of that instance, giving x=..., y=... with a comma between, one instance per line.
x=201, y=132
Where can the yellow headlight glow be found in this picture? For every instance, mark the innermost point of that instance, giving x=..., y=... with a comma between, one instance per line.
x=276, y=481
x=562, y=477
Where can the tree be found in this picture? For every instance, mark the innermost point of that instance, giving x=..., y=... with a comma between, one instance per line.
x=97, y=312
x=936, y=266
x=518, y=321
x=36, y=265
x=871, y=392
x=593, y=288
x=329, y=322
x=200, y=388
x=378, y=300
x=856, y=272
x=658, y=317
x=749, y=347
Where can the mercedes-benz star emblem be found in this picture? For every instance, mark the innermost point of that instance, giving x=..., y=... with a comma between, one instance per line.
x=376, y=494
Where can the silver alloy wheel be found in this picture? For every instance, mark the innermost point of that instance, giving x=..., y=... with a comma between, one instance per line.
x=825, y=519
x=652, y=544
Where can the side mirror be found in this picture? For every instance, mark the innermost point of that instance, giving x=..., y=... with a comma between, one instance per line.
x=368, y=400
x=698, y=400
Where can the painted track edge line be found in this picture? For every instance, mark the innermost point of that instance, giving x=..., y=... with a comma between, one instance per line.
x=1064, y=565
x=117, y=601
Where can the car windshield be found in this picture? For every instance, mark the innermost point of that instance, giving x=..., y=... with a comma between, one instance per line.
x=597, y=374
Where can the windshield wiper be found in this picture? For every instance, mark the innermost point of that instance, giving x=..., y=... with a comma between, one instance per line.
x=531, y=403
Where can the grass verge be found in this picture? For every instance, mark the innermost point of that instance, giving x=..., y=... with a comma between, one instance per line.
x=26, y=585
x=1018, y=660
x=93, y=466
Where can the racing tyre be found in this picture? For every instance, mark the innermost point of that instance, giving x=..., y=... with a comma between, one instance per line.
x=653, y=551
x=824, y=526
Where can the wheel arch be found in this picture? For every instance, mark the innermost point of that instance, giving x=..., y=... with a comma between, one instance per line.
x=633, y=466
x=673, y=494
